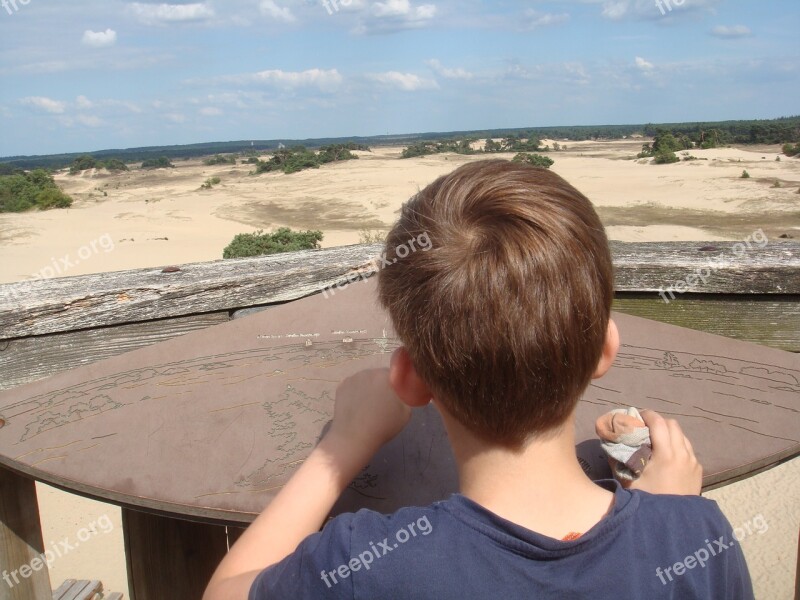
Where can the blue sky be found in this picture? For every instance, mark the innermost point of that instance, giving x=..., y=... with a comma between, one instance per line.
x=80, y=75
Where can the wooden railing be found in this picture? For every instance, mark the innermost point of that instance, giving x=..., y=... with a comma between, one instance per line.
x=744, y=291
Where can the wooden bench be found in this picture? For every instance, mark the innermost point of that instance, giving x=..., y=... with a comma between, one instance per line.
x=73, y=589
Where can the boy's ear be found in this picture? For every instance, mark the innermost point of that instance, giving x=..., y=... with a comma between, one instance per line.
x=405, y=380
x=610, y=348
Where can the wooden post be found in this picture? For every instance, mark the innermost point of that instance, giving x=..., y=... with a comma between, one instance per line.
x=170, y=558
x=21, y=543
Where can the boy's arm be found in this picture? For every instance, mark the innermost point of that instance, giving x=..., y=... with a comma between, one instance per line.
x=367, y=414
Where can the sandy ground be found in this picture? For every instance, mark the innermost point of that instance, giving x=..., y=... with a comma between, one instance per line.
x=148, y=219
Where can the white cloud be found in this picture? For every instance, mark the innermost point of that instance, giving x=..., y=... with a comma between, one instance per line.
x=325, y=80
x=210, y=111
x=49, y=105
x=89, y=120
x=533, y=19
x=160, y=14
x=99, y=39
x=270, y=9
x=175, y=117
x=734, y=31
x=616, y=10
x=83, y=102
x=442, y=71
x=396, y=15
x=404, y=81
x=643, y=64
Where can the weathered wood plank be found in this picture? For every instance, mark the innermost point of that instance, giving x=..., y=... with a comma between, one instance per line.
x=42, y=307
x=169, y=558
x=21, y=543
x=28, y=359
x=71, y=303
x=82, y=590
x=708, y=268
x=767, y=320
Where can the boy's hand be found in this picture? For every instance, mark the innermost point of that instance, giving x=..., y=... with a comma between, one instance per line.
x=367, y=413
x=673, y=467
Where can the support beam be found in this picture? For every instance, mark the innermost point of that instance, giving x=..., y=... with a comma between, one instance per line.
x=170, y=558
x=21, y=543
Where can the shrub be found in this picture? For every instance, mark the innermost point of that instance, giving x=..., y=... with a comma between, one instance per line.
x=82, y=163
x=790, y=150
x=114, y=164
x=161, y=162
x=777, y=184
x=665, y=157
x=53, y=197
x=210, y=182
x=537, y=160
x=20, y=192
x=282, y=240
x=745, y=174
x=220, y=159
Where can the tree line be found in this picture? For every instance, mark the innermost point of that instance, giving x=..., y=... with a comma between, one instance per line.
x=766, y=131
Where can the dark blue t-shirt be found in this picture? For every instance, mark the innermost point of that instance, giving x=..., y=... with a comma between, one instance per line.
x=647, y=547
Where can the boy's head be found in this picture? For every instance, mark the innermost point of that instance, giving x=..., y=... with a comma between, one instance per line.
x=504, y=315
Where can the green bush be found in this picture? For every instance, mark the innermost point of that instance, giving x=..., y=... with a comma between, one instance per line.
x=282, y=240
x=114, y=164
x=161, y=162
x=53, y=198
x=82, y=163
x=790, y=150
x=220, y=159
x=537, y=160
x=665, y=157
x=299, y=158
x=37, y=189
x=210, y=182
x=745, y=174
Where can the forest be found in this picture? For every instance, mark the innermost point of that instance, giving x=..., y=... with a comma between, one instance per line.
x=785, y=130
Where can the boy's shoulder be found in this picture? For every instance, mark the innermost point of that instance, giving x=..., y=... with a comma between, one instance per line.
x=456, y=547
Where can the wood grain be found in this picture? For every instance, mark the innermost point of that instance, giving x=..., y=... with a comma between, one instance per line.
x=20, y=540
x=767, y=320
x=170, y=558
x=29, y=359
x=50, y=306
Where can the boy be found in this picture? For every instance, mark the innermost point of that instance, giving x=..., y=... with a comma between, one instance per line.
x=504, y=322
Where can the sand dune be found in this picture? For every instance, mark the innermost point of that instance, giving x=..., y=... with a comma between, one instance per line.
x=162, y=216
x=145, y=219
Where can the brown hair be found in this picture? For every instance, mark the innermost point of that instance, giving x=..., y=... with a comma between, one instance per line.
x=504, y=313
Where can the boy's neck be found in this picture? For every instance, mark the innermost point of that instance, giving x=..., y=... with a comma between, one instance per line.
x=541, y=487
